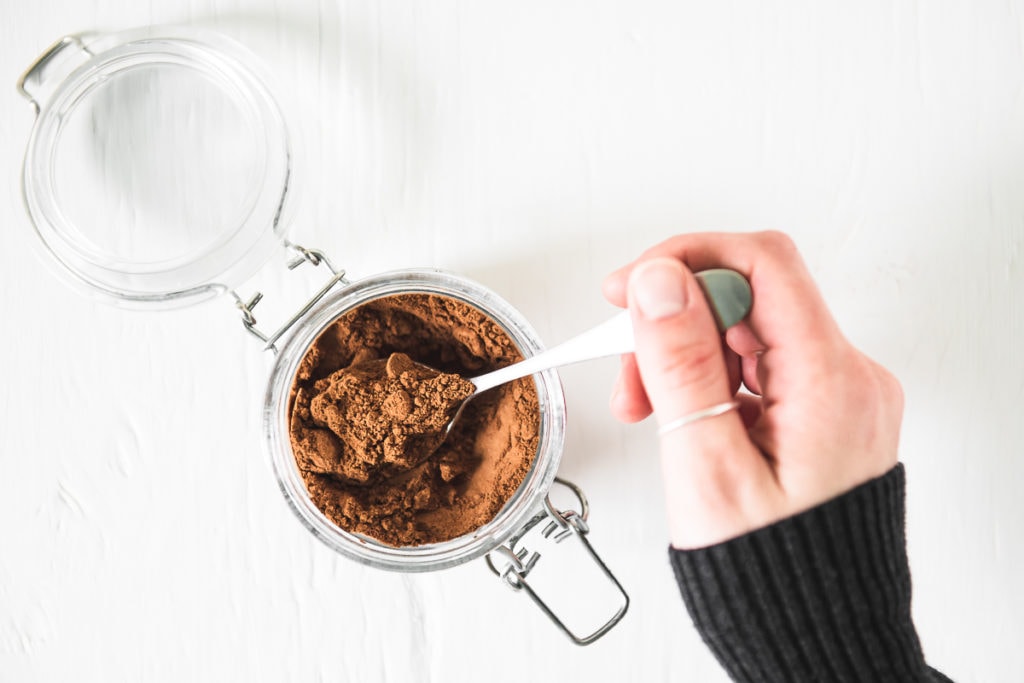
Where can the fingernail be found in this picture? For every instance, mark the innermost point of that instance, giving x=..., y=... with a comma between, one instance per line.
x=658, y=288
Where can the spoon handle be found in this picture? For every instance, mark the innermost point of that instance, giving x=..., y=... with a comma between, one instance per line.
x=727, y=291
x=611, y=337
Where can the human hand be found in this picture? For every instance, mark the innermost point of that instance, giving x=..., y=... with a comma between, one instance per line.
x=823, y=417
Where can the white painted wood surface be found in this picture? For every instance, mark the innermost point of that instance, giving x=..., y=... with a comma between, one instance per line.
x=533, y=146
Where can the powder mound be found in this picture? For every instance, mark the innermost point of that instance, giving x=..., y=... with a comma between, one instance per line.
x=365, y=478
x=390, y=415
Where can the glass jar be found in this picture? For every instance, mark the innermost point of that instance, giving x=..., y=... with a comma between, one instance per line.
x=527, y=500
x=175, y=104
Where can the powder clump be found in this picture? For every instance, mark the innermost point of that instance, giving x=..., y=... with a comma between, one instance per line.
x=390, y=414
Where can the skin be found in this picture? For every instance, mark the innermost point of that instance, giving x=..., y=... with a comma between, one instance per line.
x=817, y=419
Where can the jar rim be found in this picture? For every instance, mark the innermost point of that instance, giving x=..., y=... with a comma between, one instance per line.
x=523, y=504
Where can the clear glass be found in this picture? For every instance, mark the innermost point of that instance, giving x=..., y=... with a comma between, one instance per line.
x=520, y=508
x=158, y=168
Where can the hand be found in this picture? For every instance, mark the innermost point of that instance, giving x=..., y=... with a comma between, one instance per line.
x=823, y=418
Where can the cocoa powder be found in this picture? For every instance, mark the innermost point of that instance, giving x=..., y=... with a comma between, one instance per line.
x=366, y=424
x=390, y=415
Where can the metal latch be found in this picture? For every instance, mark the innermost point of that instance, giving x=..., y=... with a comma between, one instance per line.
x=518, y=562
x=303, y=255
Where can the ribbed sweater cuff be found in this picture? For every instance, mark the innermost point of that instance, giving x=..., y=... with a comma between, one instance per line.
x=821, y=596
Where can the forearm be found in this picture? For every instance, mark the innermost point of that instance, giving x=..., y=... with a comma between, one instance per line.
x=821, y=596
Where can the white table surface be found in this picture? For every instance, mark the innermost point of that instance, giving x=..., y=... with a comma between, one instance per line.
x=533, y=146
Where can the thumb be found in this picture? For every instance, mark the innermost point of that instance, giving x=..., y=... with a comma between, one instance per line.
x=679, y=350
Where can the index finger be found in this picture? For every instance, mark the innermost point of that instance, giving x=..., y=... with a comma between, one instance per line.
x=788, y=312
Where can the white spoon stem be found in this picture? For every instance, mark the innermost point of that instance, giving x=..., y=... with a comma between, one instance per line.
x=610, y=338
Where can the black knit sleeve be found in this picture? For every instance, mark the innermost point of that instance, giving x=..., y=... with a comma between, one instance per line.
x=821, y=596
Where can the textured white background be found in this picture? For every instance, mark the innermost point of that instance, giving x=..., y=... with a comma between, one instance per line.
x=533, y=146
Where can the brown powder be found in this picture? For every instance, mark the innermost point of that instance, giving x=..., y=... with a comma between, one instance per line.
x=366, y=423
x=390, y=415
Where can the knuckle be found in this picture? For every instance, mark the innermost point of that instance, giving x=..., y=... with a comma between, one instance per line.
x=777, y=242
x=891, y=389
x=870, y=384
x=693, y=367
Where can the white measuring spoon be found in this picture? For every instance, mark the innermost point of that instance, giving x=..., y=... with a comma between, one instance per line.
x=727, y=291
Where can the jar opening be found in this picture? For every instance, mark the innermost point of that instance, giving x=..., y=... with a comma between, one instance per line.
x=371, y=448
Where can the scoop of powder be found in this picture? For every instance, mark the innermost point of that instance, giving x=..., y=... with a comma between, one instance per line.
x=390, y=414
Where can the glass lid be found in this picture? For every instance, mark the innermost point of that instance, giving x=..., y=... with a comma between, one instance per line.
x=157, y=170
